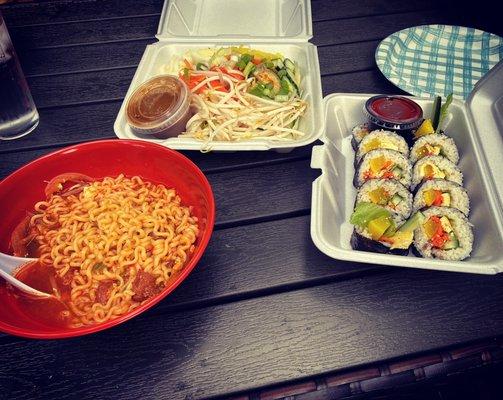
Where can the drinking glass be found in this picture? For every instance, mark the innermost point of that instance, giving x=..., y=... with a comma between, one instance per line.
x=18, y=114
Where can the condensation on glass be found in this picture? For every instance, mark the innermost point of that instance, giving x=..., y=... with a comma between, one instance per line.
x=18, y=114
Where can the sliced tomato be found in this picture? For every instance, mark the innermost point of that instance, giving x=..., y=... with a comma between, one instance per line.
x=256, y=60
x=58, y=183
x=217, y=85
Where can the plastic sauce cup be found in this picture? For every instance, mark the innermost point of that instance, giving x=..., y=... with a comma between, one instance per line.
x=159, y=107
x=395, y=113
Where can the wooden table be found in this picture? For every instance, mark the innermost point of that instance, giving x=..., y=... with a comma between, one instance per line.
x=264, y=306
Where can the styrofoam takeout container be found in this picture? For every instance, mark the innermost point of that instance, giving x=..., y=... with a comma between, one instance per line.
x=283, y=26
x=476, y=126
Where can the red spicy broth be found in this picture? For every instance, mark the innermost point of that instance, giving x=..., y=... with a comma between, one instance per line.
x=47, y=311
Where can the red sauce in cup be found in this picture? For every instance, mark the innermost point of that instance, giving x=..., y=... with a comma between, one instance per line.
x=395, y=113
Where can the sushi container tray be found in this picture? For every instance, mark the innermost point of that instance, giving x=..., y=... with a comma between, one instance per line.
x=476, y=126
x=277, y=26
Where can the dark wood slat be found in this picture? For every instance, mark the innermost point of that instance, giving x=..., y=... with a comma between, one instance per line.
x=74, y=11
x=85, y=32
x=263, y=191
x=372, y=81
x=83, y=58
x=347, y=57
x=200, y=353
x=58, y=90
x=372, y=28
x=339, y=9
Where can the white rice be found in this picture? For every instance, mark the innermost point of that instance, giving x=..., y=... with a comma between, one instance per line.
x=452, y=172
x=447, y=145
x=386, y=139
x=392, y=155
x=461, y=227
x=404, y=208
x=459, y=196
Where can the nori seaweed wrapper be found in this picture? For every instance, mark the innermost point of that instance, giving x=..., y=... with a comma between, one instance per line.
x=360, y=242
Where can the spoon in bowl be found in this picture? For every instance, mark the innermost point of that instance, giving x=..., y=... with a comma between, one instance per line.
x=9, y=265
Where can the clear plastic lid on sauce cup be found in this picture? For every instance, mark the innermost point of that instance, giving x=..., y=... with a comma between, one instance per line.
x=393, y=112
x=159, y=107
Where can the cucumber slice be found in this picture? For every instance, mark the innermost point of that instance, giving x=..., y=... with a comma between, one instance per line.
x=287, y=83
x=281, y=97
x=278, y=63
x=291, y=76
x=396, y=199
x=397, y=171
x=412, y=223
x=452, y=243
x=289, y=64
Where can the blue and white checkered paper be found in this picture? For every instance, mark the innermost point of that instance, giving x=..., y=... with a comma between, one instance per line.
x=433, y=60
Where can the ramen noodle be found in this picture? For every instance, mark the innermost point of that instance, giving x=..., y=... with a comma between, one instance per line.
x=112, y=243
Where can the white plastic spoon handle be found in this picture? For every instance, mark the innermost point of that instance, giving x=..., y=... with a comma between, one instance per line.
x=21, y=286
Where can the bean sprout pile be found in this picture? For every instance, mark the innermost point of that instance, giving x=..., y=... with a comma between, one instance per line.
x=241, y=94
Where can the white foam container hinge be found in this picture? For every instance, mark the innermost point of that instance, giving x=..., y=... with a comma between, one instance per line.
x=477, y=128
x=283, y=26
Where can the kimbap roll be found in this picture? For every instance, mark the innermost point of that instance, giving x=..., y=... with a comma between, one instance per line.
x=383, y=164
x=390, y=194
x=375, y=230
x=445, y=234
x=382, y=140
x=358, y=133
x=434, y=145
x=435, y=167
x=439, y=192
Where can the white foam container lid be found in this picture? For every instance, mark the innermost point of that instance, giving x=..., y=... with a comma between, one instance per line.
x=477, y=128
x=283, y=26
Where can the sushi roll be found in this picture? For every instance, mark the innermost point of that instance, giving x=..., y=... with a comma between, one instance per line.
x=439, y=192
x=435, y=167
x=382, y=140
x=374, y=229
x=434, y=145
x=445, y=234
x=383, y=164
x=358, y=133
x=390, y=194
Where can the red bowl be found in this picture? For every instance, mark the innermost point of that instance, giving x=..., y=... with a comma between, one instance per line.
x=21, y=190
